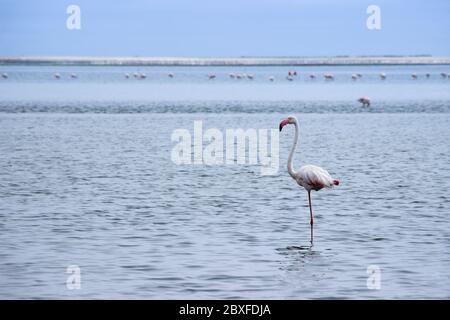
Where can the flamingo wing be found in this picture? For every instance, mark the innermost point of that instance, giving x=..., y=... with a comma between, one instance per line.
x=315, y=178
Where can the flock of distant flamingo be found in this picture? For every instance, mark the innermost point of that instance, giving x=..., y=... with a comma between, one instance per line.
x=291, y=75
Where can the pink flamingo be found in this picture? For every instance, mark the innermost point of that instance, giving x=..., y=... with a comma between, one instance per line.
x=365, y=101
x=309, y=176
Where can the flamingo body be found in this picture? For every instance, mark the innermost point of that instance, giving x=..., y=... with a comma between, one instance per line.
x=315, y=178
x=365, y=101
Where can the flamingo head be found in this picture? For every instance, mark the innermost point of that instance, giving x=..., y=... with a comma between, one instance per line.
x=288, y=120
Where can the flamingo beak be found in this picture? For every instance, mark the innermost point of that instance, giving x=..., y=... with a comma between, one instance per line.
x=283, y=123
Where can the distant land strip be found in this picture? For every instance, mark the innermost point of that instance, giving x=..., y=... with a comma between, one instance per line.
x=239, y=61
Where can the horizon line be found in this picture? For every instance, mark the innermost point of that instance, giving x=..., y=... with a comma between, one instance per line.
x=227, y=61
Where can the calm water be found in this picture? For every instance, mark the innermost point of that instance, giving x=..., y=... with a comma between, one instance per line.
x=86, y=179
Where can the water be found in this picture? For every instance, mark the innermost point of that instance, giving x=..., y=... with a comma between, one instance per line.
x=86, y=179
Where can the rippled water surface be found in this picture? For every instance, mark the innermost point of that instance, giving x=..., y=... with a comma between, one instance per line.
x=90, y=182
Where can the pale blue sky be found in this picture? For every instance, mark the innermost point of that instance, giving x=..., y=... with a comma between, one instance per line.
x=224, y=28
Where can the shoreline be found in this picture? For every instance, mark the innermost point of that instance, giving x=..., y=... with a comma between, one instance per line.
x=240, y=61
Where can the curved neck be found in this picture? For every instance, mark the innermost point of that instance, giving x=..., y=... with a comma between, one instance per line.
x=290, y=166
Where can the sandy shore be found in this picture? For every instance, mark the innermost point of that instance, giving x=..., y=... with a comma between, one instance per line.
x=244, y=61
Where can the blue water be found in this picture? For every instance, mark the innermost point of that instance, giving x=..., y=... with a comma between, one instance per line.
x=86, y=179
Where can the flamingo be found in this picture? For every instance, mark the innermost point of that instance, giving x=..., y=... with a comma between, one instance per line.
x=383, y=76
x=308, y=176
x=359, y=75
x=289, y=78
x=170, y=75
x=5, y=75
x=354, y=76
x=73, y=75
x=211, y=76
x=414, y=76
x=271, y=78
x=57, y=75
x=328, y=76
x=365, y=101
x=443, y=75
x=250, y=76
x=312, y=76
x=127, y=75
x=142, y=75
x=232, y=75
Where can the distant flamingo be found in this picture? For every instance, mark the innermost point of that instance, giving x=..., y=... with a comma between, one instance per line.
x=328, y=76
x=383, y=76
x=211, y=76
x=127, y=75
x=365, y=101
x=414, y=76
x=359, y=75
x=171, y=75
x=443, y=75
x=271, y=78
x=309, y=176
x=57, y=75
x=312, y=76
x=354, y=76
x=250, y=76
x=4, y=75
x=73, y=75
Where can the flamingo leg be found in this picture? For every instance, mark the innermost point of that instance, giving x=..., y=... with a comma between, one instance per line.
x=310, y=209
x=311, y=216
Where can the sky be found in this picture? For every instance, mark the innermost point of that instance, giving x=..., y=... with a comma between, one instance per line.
x=224, y=28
